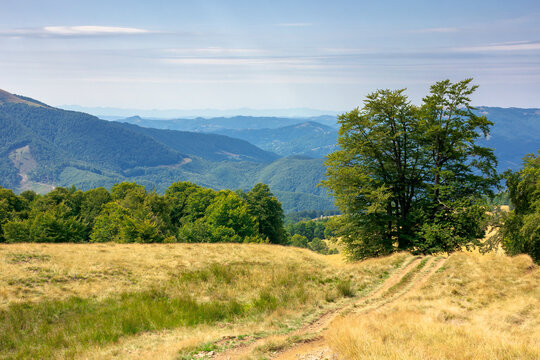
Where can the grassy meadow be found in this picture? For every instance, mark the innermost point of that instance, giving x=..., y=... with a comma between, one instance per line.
x=191, y=301
x=165, y=300
x=474, y=307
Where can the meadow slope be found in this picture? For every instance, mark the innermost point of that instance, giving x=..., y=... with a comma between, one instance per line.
x=165, y=301
x=236, y=301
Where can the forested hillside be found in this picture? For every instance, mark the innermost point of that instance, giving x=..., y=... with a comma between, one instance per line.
x=216, y=124
x=208, y=146
x=42, y=147
x=309, y=138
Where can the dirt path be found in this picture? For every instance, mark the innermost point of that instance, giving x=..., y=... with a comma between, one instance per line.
x=319, y=350
x=322, y=322
x=401, y=283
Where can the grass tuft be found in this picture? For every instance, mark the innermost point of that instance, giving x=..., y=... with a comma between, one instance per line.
x=345, y=289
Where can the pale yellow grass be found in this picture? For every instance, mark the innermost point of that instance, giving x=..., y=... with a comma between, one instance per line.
x=34, y=272
x=42, y=272
x=273, y=328
x=476, y=307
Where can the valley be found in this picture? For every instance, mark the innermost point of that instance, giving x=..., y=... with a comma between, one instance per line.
x=75, y=149
x=284, y=180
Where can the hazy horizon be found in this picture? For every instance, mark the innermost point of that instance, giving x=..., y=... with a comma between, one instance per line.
x=279, y=55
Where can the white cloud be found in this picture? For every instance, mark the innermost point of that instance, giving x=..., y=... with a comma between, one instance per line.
x=214, y=51
x=86, y=30
x=238, y=61
x=92, y=30
x=513, y=46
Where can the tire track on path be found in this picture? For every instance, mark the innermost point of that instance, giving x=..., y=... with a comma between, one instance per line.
x=323, y=321
x=319, y=350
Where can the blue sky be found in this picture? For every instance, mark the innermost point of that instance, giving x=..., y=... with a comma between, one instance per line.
x=265, y=54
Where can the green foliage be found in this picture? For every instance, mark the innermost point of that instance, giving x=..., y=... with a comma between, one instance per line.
x=305, y=215
x=412, y=178
x=268, y=214
x=128, y=213
x=319, y=246
x=501, y=198
x=521, y=229
x=229, y=216
x=310, y=229
x=12, y=207
x=308, y=234
x=55, y=225
x=299, y=241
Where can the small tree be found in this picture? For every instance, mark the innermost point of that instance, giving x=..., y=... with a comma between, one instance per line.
x=299, y=241
x=268, y=213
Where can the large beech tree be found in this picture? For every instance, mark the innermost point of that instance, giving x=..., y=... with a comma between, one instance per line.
x=411, y=177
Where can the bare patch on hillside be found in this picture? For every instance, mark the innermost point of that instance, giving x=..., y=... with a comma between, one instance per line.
x=24, y=162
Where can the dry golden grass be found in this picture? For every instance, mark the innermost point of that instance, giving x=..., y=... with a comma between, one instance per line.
x=39, y=273
x=475, y=307
x=275, y=327
x=34, y=272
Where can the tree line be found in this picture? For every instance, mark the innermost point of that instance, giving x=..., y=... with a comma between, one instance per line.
x=310, y=234
x=129, y=213
x=519, y=229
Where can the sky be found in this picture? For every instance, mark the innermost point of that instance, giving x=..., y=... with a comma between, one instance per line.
x=277, y=54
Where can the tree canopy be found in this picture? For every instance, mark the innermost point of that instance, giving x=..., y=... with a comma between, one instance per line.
x=411, y=177
x=520, y=232
x=129, y=213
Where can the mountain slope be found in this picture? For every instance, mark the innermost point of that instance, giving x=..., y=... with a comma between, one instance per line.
x=58, y=138
x=8, y=98
x=208, y=146
x=42, y=147
x=308, y=138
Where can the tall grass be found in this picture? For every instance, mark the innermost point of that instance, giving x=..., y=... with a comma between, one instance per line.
x=37, y=331
x=477, y=307
x=46, y=329
x=125, y=292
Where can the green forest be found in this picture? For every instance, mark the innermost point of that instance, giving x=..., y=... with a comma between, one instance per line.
x=128, y=213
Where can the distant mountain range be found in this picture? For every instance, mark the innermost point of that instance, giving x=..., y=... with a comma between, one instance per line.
x=515, y=132
x=42, y=147
x=111, y=113
x=217, y=124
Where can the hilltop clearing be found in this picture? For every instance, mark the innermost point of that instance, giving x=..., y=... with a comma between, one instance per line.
x=231, y=301
x=101, y=300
